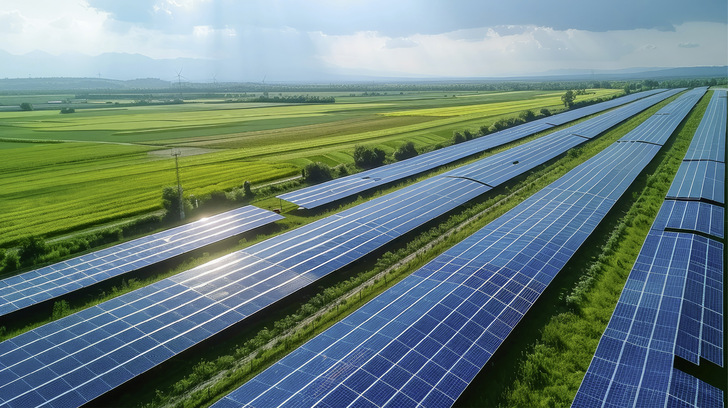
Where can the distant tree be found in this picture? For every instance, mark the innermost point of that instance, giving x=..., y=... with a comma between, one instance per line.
x=317, y=172
x=568, y=98
x=544, y=112
x=458, y=137
x=649, y=84
x=627, y=89
x=26, y=106
x=468, y=135
x=31, y=249
x=405, y=151
x=246, y=188
x=484, y=130
x=527, y=115
x=68, y=110
x=170, y=203
x=368, y=158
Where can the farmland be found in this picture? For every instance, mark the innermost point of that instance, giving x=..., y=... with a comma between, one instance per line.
x=66, y=172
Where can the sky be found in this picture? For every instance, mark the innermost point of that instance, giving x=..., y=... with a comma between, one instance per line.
x=280, y=40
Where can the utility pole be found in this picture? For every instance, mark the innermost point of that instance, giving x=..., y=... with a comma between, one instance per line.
x=176, y=153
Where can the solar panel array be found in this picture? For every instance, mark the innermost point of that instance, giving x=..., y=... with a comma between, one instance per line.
x=709, y=140
x=691, y=216
x=671, y=305
x=699, y=180
x=78, y=358
x=422, y=341
x=49, y=282
x=337, y=189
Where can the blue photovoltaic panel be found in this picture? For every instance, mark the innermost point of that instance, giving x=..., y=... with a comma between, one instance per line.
x=633, y=362
x=424, y=339
x=497, y=169
x=691, y=216
x=333, y=190
x=709, y=140
x=658, y=128
x=501, y=167
x=699, y=180
x=84, y=355
x=89, y=353
x=688, y=391
x=568, y=116
x=58, y=279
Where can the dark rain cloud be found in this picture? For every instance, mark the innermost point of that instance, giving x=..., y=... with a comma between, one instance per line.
x=406, y=17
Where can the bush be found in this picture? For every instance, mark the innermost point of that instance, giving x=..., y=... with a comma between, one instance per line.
x=458, y=137
x=544, y=112
x=171, y=203
x=31, y=249
x=527, y=116
x=405, y=151
x=26, y=106
x=368, y=157
x=12, y=262
x=468, y=135
x=246, y=188
x=68, y=110
x=317, y=172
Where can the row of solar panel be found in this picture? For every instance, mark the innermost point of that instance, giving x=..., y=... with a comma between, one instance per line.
x=93, y=351
x=709, y=140
x=671, y=305
x=422, y=341
x=49, y=282
x=334, y=190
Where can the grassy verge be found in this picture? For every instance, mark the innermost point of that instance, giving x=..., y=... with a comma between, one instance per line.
x=214, y=376
x=552, y=369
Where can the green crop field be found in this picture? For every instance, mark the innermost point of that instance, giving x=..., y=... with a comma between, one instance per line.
x=65, y=172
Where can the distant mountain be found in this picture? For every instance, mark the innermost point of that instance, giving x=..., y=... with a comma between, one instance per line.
x=72, y=71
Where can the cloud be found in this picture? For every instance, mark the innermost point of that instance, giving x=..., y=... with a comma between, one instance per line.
x=400, y=43
x=520, y=50
x=11, y=22
x=688, y=45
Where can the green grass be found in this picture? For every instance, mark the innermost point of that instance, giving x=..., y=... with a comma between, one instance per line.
x=104, y=171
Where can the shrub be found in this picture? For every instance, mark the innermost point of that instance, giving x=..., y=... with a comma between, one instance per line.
x=458, y=137
x=246, y=188
x=527, y=116
x=26, y=106
x=368, y=157
x=544, y=112
x=405, y=151
x=68, y=110
x=31, y=249
x=317, y=172
x=468, y=135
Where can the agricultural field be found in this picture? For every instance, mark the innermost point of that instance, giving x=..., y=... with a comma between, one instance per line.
x=66, y=172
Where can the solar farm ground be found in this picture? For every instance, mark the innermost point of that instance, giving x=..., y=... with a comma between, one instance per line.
x=191, y=382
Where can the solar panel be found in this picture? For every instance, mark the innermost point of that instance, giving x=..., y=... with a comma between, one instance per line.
x=633, y=362
x=99, y=348
x=424, y=339
x=691, y=216
x=709, y=140
x=699, y=180
x=324, y=193
x=46, y=283
x=86, y=354
x=688, y=391
x=658, y=128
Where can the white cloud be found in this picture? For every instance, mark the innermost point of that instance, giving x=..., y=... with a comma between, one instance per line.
x=505, y=51
x=11, y=22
